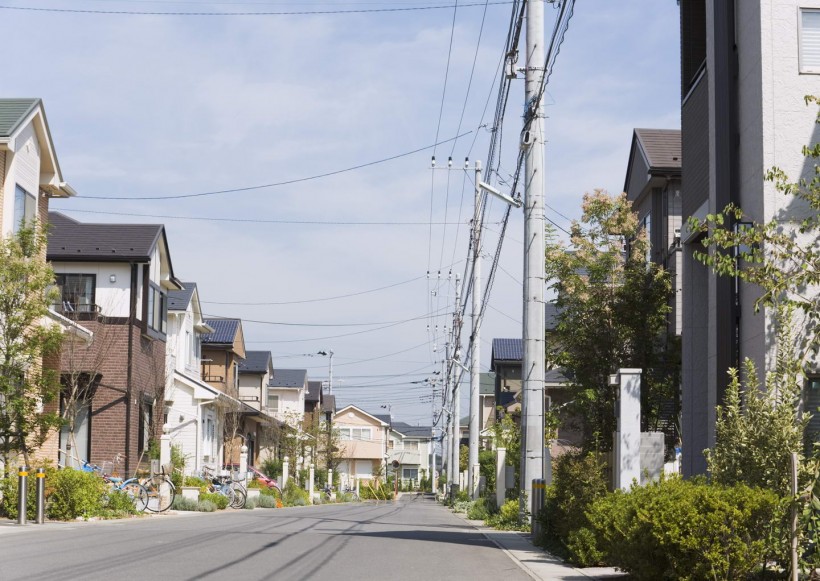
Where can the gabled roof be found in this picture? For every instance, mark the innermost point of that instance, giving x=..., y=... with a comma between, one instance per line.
x=288, y=378
x=13, y=112
x=225, y=331
x=409, y=431
x=376, y=417
x=507, y=350
x=314, y=391
x=661, y=147
x=256, y=362
x=555, y=376
x=70, y=239
x=383, y=417
x=178, y=300
x=551, y=313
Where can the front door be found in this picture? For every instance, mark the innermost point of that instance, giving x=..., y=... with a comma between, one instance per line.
x=76, y=447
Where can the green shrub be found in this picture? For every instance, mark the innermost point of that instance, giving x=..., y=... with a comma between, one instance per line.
x=75, y=494
x=251, y=503
x=676, y=529
x=578, y=480
x=481, y=509
x=206, y=506
x=344, y=497
x=462, y=506
x=462, y=496
x=271, y=468
x=375, y=491
x=8, y=489
x=184, y=504
x=220, y=501
x=254, y=484
x=506, y=519
x=293, y=495
x=194, y=481
x=272, y=492
x=266, y=501
x=117, y=503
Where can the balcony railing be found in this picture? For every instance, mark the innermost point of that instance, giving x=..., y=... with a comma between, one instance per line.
x=76, y=310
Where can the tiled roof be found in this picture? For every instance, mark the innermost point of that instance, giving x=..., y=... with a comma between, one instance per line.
x=288, y=378
x=413, y=431
x=507, y=350
x=73, y=240
x=13, y=112
x=486, y=383
x=551, y=312
x=225, y=331
x=661, y=146
x=178, y=300
x=383, y=417
x=555, y=376
x=314, y=391
x=255, y=362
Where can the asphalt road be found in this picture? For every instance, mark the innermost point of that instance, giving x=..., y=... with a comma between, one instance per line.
x=413, y=539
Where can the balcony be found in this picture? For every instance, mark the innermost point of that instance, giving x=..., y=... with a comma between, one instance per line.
x=77, y=311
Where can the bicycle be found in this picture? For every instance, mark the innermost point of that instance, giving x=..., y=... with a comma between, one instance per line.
x=161, y=491
x=131, y=487
x=223, y=484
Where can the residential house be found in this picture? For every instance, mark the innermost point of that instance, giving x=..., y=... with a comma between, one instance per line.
x=192, y=406
x=255, y=373
x=745, y=67
x=653, y=185
x=486, y=406
x=286, y=395
x=222, y=353
x=411, y=447
x=30, y=176
x=363, y=439
x=114, y=279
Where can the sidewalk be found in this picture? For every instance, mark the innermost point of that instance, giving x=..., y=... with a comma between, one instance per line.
x=538, y=563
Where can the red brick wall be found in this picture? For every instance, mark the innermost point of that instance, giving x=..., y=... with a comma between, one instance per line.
x=108, y=357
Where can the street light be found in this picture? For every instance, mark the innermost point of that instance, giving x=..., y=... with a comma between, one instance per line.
x=501, y=196
x=329, y=353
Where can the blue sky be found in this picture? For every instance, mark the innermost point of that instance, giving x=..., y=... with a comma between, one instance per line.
x=159, y=105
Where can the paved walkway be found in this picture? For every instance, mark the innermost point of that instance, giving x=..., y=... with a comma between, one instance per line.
x=538, y=563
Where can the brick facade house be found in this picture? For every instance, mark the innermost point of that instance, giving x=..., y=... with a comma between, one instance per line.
x=113, y=280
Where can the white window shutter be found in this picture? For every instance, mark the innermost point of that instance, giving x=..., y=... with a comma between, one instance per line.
x=809, y=41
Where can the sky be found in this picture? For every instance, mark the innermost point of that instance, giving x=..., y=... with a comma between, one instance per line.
x=160, y=106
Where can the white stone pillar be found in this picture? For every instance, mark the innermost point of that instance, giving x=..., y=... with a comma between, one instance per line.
x=500, y=476
x=628, y=434
x=164, y=462
x=358, y=482
x=330, y=478
x=310, y=482
x=243, y=463
x=285, y=466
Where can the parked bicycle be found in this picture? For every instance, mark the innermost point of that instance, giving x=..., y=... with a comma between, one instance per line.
x=131, y=487
x=161, y=491
x=222, y=483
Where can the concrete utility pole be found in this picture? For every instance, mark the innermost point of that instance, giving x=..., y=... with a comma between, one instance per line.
x=532, y=138
x=447, y=437
x=475, y=343
x=456, y=390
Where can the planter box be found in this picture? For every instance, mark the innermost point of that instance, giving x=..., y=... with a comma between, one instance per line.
x=191, y=492
x=253, y=493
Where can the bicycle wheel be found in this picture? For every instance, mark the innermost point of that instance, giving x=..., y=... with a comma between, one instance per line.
x=137, y=493
x=239, y=498
x=161, y=493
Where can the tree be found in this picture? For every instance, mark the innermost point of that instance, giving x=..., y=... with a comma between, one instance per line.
x=26, y=282
x=613, y=306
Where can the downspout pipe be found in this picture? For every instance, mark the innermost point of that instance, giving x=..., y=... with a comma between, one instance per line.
x=132, y=317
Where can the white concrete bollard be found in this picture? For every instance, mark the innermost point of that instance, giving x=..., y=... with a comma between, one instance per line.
x=285, y=465
x=500, y=480
x=310, y=482
x=243, y=463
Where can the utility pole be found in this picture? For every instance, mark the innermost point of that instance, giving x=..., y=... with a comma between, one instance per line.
x=456, y=390
x=533, y=365
x=475, y=343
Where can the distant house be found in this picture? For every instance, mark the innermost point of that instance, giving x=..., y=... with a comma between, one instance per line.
x=410, y=446
x=363, y=440
x=222, y=353
x=114, y=279
x=286, y=395
x=192, y=407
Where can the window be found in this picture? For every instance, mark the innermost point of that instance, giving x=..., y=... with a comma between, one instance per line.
x=810, y=40
x=77, y=292
x=157, y=309
x=25, y=207
x=411, y=446
x=189, y=349
x=273, y=402
x=410, y=473
x=146, y=419
x=354, y=433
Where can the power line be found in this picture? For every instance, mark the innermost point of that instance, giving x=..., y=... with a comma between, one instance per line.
x=259, y=13
x=274, y=184
x=253, y=220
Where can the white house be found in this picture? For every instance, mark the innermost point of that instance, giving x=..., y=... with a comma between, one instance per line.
x=192, y=417
x=286, y=395
x=410, y=446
